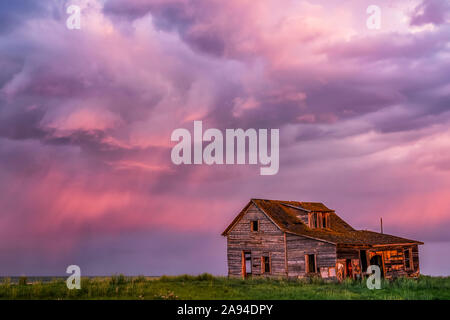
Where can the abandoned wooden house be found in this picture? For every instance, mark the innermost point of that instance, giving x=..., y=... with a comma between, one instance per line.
x=299, y=239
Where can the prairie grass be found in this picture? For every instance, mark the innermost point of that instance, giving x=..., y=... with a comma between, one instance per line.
x=206, y=286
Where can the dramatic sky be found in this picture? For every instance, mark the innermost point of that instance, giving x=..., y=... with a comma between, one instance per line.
x=86, y=117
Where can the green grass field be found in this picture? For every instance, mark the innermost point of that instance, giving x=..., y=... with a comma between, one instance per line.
x=206, y=286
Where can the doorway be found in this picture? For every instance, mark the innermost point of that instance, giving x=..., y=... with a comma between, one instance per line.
x=378, y=261
x=246, y=263
x=363, y=261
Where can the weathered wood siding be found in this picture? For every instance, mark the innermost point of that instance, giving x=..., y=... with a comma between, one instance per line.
x=268, y=240
x=415, y=254
x=347, y=252
x=298, y=247
x=394, y=262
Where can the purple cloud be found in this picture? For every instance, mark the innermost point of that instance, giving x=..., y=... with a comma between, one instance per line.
x=431, y=11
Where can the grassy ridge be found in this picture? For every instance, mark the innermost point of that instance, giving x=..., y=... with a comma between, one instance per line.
x=206, y=286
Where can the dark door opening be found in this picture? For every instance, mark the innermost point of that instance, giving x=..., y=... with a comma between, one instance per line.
x=378, y=261
x=363, y=257
x=310, y=263
x=348, y=268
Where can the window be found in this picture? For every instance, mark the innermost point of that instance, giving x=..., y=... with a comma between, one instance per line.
x=313, y=220
x=254, y=225
x=265, y=264
x=310, y=263
x=246, y=263
x=318, y=220
x=408, y=259
x=324, y=220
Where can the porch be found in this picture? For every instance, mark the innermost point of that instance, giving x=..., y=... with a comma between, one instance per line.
x=394, y=261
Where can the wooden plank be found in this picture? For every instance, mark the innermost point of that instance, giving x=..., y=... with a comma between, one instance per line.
x=286, y=267
x=298, y=247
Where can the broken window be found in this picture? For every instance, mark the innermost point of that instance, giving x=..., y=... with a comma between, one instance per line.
x=313, y=220
x=254, y=225
x=324, y=220
x=318, y=220
x=265, y=264
x=310, y=263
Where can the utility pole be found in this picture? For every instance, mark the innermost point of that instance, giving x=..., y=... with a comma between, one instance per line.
x=381, y=224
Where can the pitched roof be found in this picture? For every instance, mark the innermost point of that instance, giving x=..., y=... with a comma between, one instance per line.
x=285, y=215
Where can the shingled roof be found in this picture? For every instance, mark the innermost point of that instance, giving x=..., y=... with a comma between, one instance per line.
x=285, y=215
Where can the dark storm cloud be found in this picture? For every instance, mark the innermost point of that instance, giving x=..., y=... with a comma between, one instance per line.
x=14, y=13
x=181, y=16
x=431, y=11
